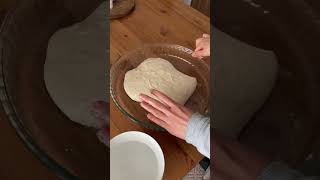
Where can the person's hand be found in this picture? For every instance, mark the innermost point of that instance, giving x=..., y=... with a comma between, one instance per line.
x=100, y=111
x=202, y=47
x=166, y=113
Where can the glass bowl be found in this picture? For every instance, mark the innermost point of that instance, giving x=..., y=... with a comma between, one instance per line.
x=69, y=150
x=181, y=59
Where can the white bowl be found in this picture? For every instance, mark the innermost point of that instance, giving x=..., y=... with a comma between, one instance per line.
x=135, y=156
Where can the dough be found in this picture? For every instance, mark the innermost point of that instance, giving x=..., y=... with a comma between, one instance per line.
x=160, y=74
x=75, y=68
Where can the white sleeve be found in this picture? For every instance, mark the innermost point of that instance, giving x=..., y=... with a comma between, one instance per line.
x=198, y=133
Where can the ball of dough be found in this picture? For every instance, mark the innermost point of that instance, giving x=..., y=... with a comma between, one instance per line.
x=159, y=74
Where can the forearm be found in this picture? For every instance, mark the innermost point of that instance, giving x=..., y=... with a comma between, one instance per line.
x=198, y=133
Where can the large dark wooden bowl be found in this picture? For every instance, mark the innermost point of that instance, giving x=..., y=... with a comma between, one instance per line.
x=70, y=150
x=288, y=124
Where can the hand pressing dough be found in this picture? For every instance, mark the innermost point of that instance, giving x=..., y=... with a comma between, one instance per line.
x=75, y=70
x=159, y=74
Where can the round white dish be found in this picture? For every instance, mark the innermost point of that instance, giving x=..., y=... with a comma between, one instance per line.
x=136, y=156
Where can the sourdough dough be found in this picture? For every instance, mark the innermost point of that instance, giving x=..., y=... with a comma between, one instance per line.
x=159, y=74
x=76, y=64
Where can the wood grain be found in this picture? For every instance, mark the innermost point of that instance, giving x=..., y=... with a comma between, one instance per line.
x=154, y=21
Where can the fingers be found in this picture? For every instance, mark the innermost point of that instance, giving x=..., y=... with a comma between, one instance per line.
x=100, y=107
x=164, y=98
x=167, y=109
x=175, y=108
x=206, y=35
x=103, y=136
x=199, y=48
x=198, y=41
x=154, y=103
x=149, y=108
x=198, y=54
x=157, y=120
x=100, y=111
x=198, y=51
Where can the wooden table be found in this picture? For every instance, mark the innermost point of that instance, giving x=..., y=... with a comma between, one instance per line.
x=154, y=21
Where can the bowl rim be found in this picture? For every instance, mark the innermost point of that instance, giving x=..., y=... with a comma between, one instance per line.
x=112, y=92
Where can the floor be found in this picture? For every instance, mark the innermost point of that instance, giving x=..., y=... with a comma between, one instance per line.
x=196, y=173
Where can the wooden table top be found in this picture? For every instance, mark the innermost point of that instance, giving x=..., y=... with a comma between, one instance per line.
x=154, y=21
